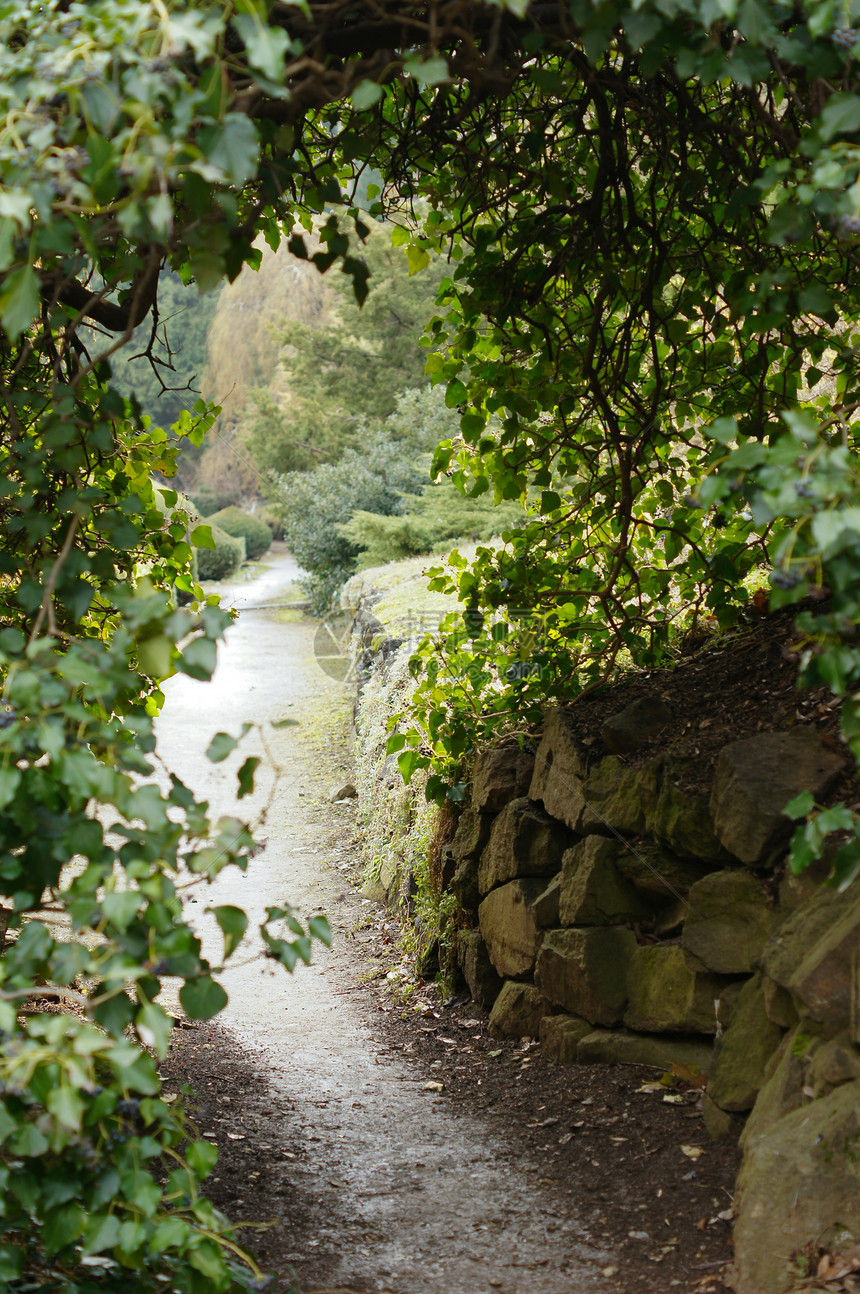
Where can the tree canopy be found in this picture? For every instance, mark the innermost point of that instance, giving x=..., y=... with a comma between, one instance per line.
x=349, y=368
x=651, y=214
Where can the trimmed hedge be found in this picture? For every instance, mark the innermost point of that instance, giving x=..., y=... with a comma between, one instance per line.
x=222, y=560
x=241, y=525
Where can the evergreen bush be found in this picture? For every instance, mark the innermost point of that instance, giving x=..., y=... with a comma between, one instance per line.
x=241, y=525
x=221, y=561
x=209, y=501
x=438, y=516
x=313, y=505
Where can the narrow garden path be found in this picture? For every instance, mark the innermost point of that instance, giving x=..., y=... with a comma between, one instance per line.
x=375, y=1180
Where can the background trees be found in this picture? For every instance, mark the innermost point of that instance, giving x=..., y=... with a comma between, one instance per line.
x=650, y=314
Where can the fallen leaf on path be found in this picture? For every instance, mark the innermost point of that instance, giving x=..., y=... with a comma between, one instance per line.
x=673, y=1098
x=433, y=1087
x=692, y=1152
x=495, y=1053
x=563, y=1140
x=652, y=1087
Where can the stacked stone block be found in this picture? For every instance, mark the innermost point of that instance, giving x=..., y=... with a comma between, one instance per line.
x=624, y=919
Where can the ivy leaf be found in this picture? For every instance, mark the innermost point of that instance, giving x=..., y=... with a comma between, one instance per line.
x=455, y=393
x=221, y=745
x=407, y=762
x=201, y=537
x=246, y=775
x=841, y=115
x=266, y=46
x=433, y=71
x=235, y=148
x=154, y=1026
x=102, y=1233
x=67, y=1106
x=10, y=780
x=319, y=928
x=121, y=909
x=366, y=94
x=800, y=806
x=19, y=301
x=233, y=923
x=201, y=1158
x=202, y=998
x=198, y=660
x=63, y=1226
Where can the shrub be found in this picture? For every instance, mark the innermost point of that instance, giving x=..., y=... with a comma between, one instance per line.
x=314, y=504
x=241, y=525
x=273, y=520
x=221, y=561
x=208, y=501
x=430, y=520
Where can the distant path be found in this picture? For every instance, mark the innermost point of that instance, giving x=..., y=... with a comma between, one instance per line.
x=398, y=1193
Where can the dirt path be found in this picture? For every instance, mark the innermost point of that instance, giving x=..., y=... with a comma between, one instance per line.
x=380, y=1185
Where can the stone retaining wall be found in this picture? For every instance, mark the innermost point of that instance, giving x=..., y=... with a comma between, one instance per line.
x=623, y=919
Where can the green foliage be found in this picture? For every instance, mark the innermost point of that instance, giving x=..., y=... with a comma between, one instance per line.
x=313, y=504
x=648, y=217
x=90, y=1157
x=164, y=362
x=804, y=487
x=208, y=502
x=431, y=519
x=241, y=525
x=222, y=561
x=391, y=463
x=350, y=370
x=832, y=834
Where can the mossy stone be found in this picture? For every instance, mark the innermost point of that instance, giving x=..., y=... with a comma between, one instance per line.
x=478, y=971
x=754, y=780
x=666, y=996
x=509, y=927
x=585, y=971
x=681, y=820
x=593, y=891
x=500, y=775
x=798, y=1181
x=742, y=1054
x=610, y=793
x=728, y=923
x=524, y=841
x=621, y=1047
x=560, y=1035
x=518, y=1011
x=560, y=764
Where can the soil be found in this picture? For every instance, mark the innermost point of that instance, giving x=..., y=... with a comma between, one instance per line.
x=722, y=688
x=384, y=1141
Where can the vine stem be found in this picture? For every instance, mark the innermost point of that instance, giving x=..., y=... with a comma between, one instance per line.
x=46, y=608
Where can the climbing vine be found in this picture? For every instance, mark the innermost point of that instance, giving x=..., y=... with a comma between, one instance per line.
x=650, y=213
